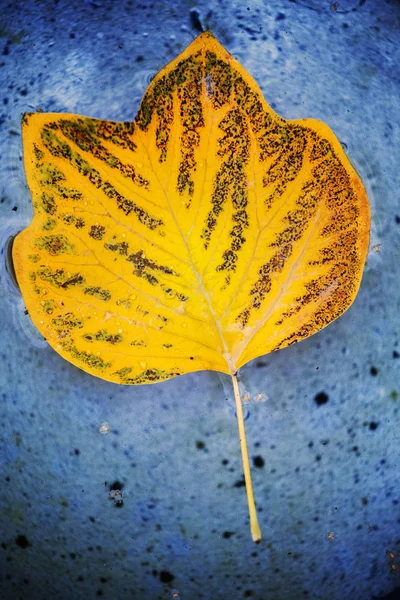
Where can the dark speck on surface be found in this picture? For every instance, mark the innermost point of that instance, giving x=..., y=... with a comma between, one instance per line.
x=373, y=425
x=395, y=354
x=373, y=371
x=239, y=483
x=321, y=398
x=166, y=577
x=227, y=534
x=22, y=541
x=280, y=16
x=258, y=461
x=117, y=485
x=200, y=445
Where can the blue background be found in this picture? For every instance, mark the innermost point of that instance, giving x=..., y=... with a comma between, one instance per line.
x=326, y=475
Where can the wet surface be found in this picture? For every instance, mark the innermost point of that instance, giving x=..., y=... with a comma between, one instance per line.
x=137, y=492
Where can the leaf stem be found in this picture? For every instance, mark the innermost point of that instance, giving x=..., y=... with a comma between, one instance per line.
x=254, y=526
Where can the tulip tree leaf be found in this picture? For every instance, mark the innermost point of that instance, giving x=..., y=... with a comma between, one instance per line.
x=201, y=235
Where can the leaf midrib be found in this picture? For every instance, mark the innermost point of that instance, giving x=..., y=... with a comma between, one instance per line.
x=226, y=353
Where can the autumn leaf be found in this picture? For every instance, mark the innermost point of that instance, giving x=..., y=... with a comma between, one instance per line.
x=205, y=233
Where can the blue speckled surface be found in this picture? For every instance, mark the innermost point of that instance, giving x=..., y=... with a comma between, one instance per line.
x=326, y=440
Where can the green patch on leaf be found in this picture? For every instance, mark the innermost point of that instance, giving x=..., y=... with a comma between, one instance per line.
x=51, y=175
x=60, y=278
x=98, y=292
x=103, y=336
x=47, y=306
x=55, y=245
x=68, y=321
x=123, y=372
x=47, y=203
x=151, y=376
x=49, y=224
x=91, y=360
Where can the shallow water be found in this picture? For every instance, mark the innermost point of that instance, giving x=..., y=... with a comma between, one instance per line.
x=323, y=437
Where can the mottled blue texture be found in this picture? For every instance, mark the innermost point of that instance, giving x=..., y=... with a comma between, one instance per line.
x=327, y=480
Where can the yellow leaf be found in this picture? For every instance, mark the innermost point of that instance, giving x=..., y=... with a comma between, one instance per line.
x=205, y=233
